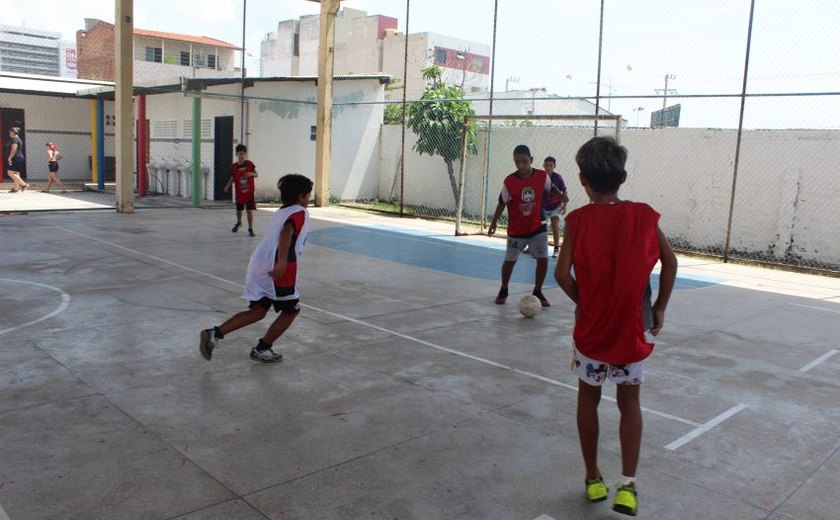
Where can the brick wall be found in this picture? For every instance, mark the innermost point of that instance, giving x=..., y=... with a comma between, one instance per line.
x=95, y=52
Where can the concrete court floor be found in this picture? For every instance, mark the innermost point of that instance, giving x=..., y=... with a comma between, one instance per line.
x=405, y=392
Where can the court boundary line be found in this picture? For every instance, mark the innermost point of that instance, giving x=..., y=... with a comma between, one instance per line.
x=814, y=307
x=693, y=434
x=65, y=302
x=817, y=361
x=699, y=428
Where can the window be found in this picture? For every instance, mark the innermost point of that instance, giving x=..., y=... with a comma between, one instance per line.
x=110, y=120
x=206, y=128
x=313, y=133
x=154, y=54
x=211, y=61
x=440, y=56
x=165, y=129
x=185, y=58
x=296, y=45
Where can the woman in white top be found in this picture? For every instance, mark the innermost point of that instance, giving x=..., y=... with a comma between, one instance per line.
x=52, y=163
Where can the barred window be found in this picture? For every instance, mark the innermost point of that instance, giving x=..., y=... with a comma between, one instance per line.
x=154, y=54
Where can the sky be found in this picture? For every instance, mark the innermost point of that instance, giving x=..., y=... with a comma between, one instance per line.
x=553, y=44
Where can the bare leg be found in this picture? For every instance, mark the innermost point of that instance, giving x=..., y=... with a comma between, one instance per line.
x=630, y=427
x=49, y=182
x=279, y=326
x=588, y=429
x=507, y=272
x=239, y=216
x=250, y=215
x=242, y=319
x=54, y=178
x=542, y=269
x=555, y=230
x=19, y=183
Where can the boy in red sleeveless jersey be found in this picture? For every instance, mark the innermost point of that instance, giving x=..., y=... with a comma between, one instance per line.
x=522, y=194
x=613, y=246
x=271, y=278
x=242, y=175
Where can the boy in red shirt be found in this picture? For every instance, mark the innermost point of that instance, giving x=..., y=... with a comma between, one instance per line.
x=522, y=194
x=242, y=175
x=612, y=245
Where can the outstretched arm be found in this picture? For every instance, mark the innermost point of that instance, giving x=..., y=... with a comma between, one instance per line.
x=667, y=278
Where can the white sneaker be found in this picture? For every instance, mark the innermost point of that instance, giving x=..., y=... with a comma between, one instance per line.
x=265, y=356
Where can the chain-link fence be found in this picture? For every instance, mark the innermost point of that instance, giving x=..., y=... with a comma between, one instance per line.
x=729, y=110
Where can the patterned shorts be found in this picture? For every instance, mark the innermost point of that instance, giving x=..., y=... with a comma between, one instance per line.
x=595, y=372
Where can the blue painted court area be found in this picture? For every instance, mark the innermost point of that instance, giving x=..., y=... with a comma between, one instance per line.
x=455, y=255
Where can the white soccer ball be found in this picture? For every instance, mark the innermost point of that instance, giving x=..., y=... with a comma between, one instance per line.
x=530, y=306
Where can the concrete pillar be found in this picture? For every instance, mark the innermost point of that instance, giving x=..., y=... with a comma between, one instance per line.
x=323, y=118
x=124, y=110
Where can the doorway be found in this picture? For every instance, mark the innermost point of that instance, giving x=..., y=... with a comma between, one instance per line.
x=10, y=117
x=222, y=155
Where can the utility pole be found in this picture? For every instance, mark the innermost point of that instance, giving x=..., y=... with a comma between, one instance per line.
x=508, y=81
x=534, y=96
x=666, y=90
x=638, y=110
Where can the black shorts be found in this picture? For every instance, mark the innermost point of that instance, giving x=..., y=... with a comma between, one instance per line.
x=53, y=166
x=279, y=305
x=250, y=205
x=17, y=165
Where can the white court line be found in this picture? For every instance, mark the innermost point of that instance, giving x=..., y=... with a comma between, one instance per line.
x=814, y=307
x=693, y=434
x=398, y=334
x=153, y=257
x=819, y=360
x=3, y=515
x=65, y=302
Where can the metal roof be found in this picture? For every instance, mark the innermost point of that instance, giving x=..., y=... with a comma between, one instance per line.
x=15, y=83
x=88, y=89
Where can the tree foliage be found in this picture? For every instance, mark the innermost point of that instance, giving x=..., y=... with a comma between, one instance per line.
x=393, y=111
x=437, y=119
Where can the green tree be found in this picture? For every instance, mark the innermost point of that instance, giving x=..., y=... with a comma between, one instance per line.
x=393, y=111
x=438, y=119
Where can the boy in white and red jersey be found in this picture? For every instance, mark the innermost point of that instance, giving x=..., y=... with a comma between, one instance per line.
x=271, y=278
x=613, y=245
x=522, y=194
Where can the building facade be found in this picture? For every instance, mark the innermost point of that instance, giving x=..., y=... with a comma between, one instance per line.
x=32, y=51
x=157, y=55
x=372, y=44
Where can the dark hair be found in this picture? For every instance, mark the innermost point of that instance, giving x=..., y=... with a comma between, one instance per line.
x=292, y=186
x=550, y=159
x=522, y=149
x=241, y=148
x=601, y=161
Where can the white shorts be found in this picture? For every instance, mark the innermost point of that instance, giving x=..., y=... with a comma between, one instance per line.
x=595, y=372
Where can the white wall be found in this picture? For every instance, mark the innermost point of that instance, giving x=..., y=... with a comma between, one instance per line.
x=64, y=121
x=277, y=50
x=787, y=186
x=279, y=116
